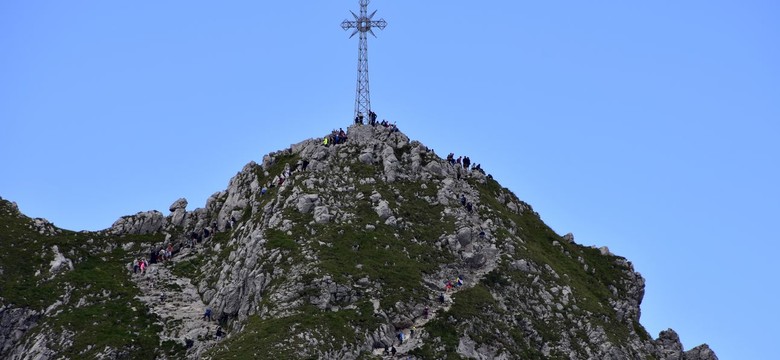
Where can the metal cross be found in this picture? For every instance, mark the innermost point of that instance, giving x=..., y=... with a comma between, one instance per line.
x=363, y=24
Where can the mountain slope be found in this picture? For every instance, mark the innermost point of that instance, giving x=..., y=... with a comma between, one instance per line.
x=333, y=251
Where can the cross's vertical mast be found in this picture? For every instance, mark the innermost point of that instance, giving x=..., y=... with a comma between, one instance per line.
x=362, y=25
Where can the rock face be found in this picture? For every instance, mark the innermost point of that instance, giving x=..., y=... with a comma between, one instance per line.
x=142, y=223
x=338, y=251
x=14, y=323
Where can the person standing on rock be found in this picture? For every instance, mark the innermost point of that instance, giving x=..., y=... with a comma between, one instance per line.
x=207, y=314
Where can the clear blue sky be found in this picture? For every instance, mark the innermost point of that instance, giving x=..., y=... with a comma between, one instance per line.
x=648, y=127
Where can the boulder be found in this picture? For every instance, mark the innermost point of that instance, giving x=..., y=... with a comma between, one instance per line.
x=321, y=215
x=383, y=210
x=178, y=212
x=306, y=202
x=366, y=158
x=178, y=204
x=465, y=236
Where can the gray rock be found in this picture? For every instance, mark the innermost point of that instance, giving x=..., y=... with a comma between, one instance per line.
x=465, y=236
x=14, y=324
x=366, y=158
x=178, y=204
x=60, y=263
x=321, y=215
x=605, y=251
x=142, y=223
x=701, y=352
x=383, y=210
x=306, y=202
x=178, y=212
x=669, y=345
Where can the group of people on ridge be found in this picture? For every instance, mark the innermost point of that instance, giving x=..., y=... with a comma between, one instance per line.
x=335, y=137
x=372, y=121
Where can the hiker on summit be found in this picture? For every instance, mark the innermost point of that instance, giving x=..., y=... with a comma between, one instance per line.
x=359, y=119
x=371, y=117
x=466, y=162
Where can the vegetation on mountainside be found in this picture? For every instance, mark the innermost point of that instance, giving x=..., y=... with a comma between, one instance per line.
x=540, y=246
x=99, y=307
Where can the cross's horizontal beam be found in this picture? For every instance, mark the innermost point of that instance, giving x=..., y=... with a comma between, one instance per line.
x=381, y=24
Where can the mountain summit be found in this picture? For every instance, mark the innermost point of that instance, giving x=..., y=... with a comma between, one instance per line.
x=366, y=247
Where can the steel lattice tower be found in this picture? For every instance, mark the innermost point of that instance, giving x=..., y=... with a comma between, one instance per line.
x=363, y=24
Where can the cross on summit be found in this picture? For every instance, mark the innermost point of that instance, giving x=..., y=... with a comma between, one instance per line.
x=363, y=24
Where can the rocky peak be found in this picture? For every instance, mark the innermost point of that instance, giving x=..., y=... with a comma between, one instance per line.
x=344, y=249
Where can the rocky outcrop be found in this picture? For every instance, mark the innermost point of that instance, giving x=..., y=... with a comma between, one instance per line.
x=701, y=352
x=178, y=212
x=670, y=348
x=142, y=223
x=60, y=263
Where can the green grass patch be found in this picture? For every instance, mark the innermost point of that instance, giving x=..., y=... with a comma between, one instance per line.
x=278, y=337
